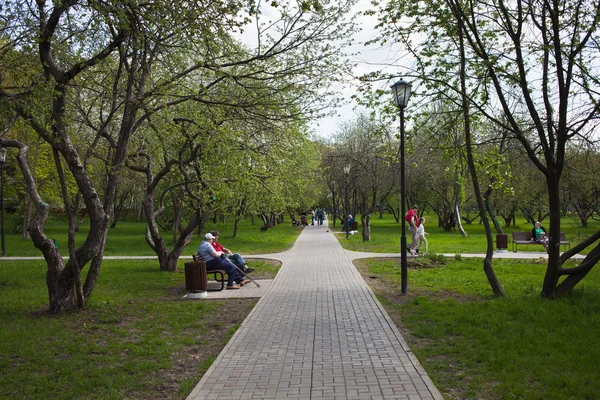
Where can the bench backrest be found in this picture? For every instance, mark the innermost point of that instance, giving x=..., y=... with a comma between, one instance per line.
x=527, y=236
x=521, y=236
x=562, y=237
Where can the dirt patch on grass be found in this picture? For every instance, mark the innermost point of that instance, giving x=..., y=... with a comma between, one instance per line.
x=392, y=289
x=190, y=363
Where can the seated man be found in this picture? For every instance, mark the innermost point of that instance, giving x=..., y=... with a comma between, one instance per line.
x=214, y=261
x=348, y=223
x=234, y=258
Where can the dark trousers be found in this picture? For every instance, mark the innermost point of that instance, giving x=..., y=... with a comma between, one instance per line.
x=233, y=274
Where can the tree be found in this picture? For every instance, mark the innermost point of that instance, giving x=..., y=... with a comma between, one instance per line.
x=438, y=162
x=371, y=152
x=581, y=187
x=127, y=61
x=530, y=63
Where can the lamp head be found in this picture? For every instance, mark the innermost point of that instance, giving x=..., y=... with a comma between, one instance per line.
x=401, y=92
x=2, y=154
x=347, y=169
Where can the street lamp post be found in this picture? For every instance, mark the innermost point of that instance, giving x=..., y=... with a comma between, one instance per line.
x=401, y=92
x=347, y=172
x=2, y=160
x=333, y=201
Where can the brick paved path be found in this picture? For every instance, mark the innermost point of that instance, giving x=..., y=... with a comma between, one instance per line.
x=318, y=333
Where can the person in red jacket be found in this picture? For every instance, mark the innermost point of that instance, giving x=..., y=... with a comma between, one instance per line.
x=412, y=217
x=234, y=258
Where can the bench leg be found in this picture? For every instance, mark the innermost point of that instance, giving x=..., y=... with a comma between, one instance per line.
x=215, y=278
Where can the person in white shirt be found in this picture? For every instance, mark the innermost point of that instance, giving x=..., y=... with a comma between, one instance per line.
x=421, y=235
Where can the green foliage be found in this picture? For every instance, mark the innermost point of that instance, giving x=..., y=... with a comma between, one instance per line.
x=437, y=257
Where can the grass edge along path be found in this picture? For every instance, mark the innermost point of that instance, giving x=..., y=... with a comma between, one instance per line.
x=474, y=345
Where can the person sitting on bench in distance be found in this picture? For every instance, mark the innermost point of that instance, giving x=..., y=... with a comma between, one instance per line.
x=234, y=258
x=539, y=235
x=213, y=261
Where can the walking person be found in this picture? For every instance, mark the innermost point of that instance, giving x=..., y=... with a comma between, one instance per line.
x=320, y=216
x=413, y=223
x=421, y=235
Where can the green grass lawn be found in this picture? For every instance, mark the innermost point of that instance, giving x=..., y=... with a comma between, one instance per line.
x=386, y=233
x=478, y=346
x=128, y=238
x=136, y=339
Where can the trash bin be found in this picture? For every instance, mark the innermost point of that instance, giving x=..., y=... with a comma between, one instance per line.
x=195, y=277
x=502, y=242
x=354, y=226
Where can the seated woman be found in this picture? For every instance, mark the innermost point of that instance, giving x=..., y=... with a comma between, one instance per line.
x=539, y=235
x=234, y=258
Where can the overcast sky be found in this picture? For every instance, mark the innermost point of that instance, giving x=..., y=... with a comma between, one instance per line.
x=367, y=59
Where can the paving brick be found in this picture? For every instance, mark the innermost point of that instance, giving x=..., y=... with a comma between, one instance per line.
x=318, y=332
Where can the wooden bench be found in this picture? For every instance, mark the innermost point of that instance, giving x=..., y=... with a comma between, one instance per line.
x=525, y=238
x=217, y=274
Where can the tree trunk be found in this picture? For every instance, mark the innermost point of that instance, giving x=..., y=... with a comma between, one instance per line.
x=178, y=214
x=265, y=220
x=333, y=209
x=487, y=262
x=235, y=227
x=458, y=220
x=61, y=295
x=365, y=220
x=27, y=204
x=395, y=213
x=552, y=270
x=140, y=213
x=490, y=210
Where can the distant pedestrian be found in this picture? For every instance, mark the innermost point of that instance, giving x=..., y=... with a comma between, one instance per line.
x=320, y=216
x=421, y=235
